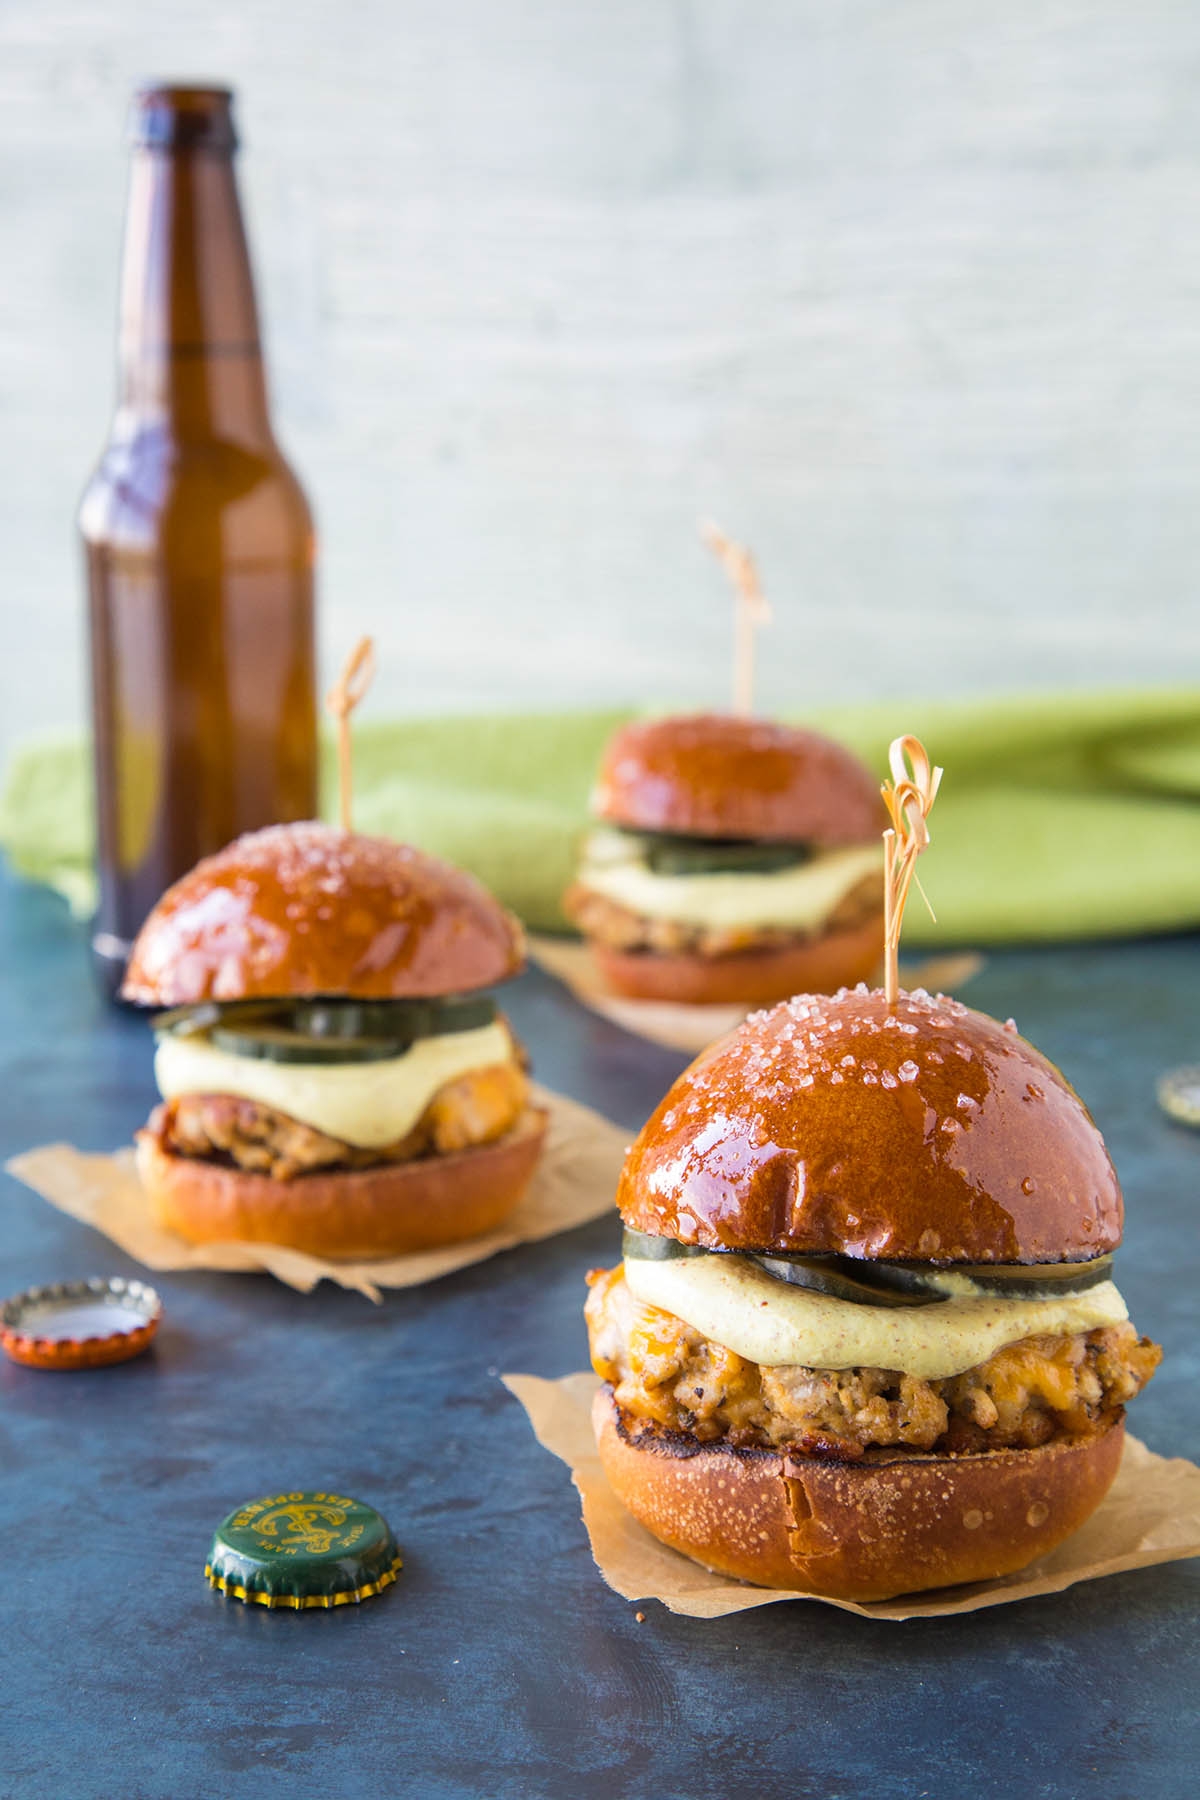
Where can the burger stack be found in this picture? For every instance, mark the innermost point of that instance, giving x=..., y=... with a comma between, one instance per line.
x=335, y=1076
x=865, y=1339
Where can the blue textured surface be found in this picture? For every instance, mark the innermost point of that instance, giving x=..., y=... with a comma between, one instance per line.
x=501, y=1665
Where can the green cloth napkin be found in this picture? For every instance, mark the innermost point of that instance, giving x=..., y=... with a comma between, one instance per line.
x=1060, y=815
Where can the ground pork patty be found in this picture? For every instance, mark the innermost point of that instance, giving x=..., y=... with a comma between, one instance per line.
x=596, y=916
x=670, y=1376
x=476, y=1108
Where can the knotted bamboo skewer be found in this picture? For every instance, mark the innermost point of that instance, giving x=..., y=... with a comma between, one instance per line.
x=909, y=798
x=341, y=700
x=751, y=609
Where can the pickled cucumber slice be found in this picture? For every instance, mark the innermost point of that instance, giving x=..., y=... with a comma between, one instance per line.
x=843, y=1279
x=326, y=1031
x=898, y=1283
x=643, y=1245
x=188, y=1021
x=404, y=1020
x=838, y=1276
x=716, y=856
x=1011, y=1281
x=279, y=1043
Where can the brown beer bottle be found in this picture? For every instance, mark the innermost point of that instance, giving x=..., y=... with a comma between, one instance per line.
x=198, y=540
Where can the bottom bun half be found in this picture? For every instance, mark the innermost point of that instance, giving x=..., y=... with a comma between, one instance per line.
x=866, y=1531
x=358, y=1214
x=818, y=965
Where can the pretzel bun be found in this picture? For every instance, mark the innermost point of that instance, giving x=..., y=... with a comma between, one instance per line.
x=752, y=977
x=856, y=1531
x=307, y=909
x=717, y=775
x=841, y=1124
x=390, y=1209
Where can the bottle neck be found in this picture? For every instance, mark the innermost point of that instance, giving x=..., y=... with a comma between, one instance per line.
x=189, y=345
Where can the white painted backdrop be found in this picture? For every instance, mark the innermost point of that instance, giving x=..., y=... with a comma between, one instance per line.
x=905, y=292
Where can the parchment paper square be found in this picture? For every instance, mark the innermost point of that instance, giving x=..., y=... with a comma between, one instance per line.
x=1150, y=1515
x=575, y=1181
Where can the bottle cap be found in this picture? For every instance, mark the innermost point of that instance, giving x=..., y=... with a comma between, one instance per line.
x=301, y=1550
x=79, y=1324
x=1179, y=1095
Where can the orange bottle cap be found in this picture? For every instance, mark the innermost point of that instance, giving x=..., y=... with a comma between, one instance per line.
x=79, y=1324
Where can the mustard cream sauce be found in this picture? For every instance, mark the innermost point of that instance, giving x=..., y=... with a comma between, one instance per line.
x=800, y=897
x=768, y=1321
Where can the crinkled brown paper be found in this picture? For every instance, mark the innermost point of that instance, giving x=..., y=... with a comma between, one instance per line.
x=693, y=1028
x=575, y=1181
x=1151, y=1515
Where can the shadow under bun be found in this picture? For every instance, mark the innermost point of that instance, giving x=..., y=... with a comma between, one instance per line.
x=924, y=1131
x=752, y=977
x=718, y=775
x=309, y=909
x=350, y=1214
x=856, y=1531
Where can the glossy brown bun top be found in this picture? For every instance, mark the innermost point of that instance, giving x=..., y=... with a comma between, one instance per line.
x=309, y=909
x=716, y=775
x=837, y=1124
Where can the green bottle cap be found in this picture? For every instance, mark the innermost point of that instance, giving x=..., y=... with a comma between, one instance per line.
x=302, y=1550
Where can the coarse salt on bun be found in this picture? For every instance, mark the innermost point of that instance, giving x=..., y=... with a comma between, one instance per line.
x=309, y=909
x=719, y=775
x=839, y=1124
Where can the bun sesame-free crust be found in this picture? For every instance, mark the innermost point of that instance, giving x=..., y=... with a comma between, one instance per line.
x=718, y=775
x=855, y=1531
x=350, y=1215
x=838, y=1124
x=308, y=909
x=815, y=964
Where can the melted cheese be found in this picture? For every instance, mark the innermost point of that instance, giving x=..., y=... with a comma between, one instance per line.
x=737, y=1304
x=801, y=897
x=366, y=1103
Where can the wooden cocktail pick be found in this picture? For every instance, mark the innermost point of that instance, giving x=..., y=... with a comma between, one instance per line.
x=340, y=702
x=909, y=798
x=751, y=610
